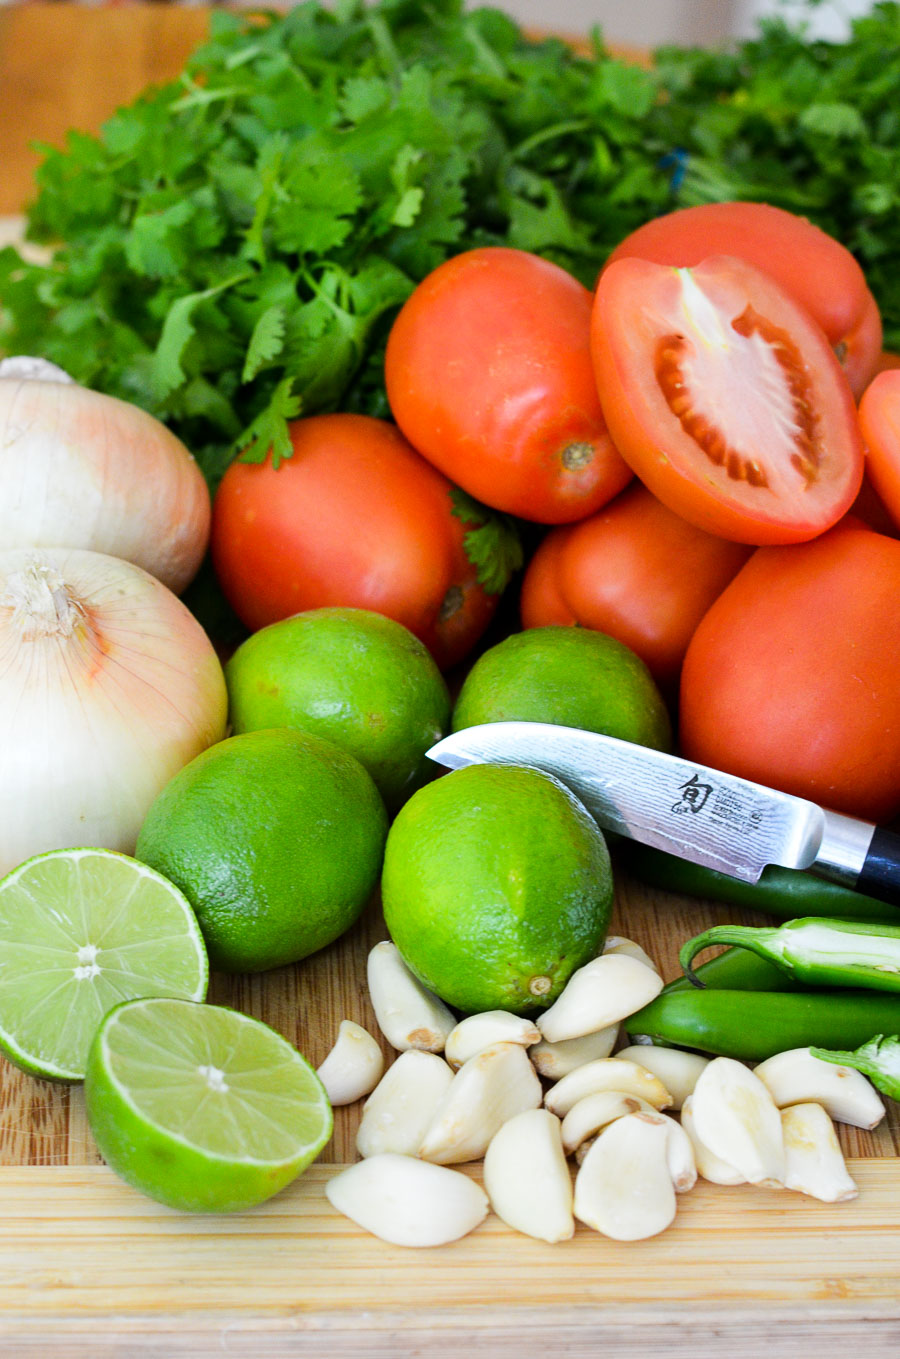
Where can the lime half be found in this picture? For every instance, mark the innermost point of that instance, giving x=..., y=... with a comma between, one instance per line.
x=202, y=1107
x=81, y=930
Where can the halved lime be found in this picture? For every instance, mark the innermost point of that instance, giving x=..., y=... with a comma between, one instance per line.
x=81, y=930
x=202, y=1107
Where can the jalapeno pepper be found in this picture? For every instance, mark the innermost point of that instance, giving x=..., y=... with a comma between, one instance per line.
x=785, y=893
x=818, y=952
x=753, y=1025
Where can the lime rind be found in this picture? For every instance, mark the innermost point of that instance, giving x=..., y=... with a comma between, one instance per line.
x=81, y=930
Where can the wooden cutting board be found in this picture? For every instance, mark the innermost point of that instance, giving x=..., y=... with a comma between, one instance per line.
x=90, y=1267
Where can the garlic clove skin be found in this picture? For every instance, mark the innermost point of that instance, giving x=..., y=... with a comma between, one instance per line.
x=408, y=1202
x=399, y=1110
x=353, y=1067
x=527, y=1178
x=678, y=1070
x=814, y=1163
x=709, y=1166
x=477, y=1032
x=797, y=1077
x=606, y=1073
x=736, y=1117
x=555, y=1060
x=605, y=991
x=487, y=1090
x=623, y=1187
x=408, y=1014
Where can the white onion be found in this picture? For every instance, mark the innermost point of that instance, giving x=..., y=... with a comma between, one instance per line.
x=81, y=469
x=108, y=686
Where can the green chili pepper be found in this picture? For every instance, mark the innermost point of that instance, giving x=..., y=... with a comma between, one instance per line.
x=737, y=969
x=879, y=1059
x=753, y=1025
x=786, y=893
x=818, y=952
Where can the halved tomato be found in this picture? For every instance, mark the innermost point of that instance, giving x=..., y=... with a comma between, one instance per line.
x=725, y=397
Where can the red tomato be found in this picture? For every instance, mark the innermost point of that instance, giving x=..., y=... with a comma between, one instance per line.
x=879, y=418
x=793, y=677
x=356, y=518
x=812, y=266
x=489, y=375
x=635, y=571
x=726, y=399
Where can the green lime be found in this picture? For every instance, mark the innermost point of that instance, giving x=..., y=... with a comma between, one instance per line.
x=201, y=1107
x=353, y=676
x=572, y=676
x=496, y=887
x=80, y=931
x=276, y=839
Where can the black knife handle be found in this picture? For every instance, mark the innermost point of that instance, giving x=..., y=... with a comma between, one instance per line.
x=880, y=874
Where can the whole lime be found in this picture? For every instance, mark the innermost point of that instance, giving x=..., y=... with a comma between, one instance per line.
x=353, y=676
x=276, y=839
x=496, y=887
x=571, y=676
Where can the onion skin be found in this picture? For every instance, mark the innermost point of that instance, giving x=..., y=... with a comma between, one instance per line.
x=108, y=687
x=86, y=470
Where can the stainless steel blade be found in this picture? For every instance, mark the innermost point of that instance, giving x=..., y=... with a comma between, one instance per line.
x=700, y=814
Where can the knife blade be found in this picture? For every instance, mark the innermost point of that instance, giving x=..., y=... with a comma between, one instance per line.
x=697, y=813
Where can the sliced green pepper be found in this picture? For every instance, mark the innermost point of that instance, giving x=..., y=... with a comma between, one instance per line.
x=737, y=969
x=816, y=951
x=879, y=1059
x=753, y=1025
x=786, y=893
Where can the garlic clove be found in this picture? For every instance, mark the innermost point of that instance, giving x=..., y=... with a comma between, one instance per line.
x=555, y=1060
x=606, y=1073
x=477, y=1032
x=396, y=1115
x=617, y=943
x=679, y=1153
x=408, y=1014
x=587, y=1116
x=736, y=1117
x=605, y=991
x=527, y=1178
x=353, y=1067
x=408, y=1202
x=814, y=1163
x=623, y=1187
x=678, y=1070
x=487, y=1090
x=797, y=1077
x=709, y=1167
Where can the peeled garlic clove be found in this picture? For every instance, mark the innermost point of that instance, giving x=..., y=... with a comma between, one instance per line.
x=477, y=1032
x=487, y=1090
x=408, y=1014
x=603, y=992
x=397, y=1113
x=797, y=1077
x=709, y=1167
x=678, y=1070
x=555, y=1060
x=617, y=943
x=814, y=1163
x=408, y=1202
x=736, y=1117
x=354, y=1065
x=527, y=1178
x=679, y=1153
x=623, y=1187
x=587, y=1116
x=606, y=1073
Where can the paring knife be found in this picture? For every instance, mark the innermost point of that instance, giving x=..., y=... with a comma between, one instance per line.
x=694, y=812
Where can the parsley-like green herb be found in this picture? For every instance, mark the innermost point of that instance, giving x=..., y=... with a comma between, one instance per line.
x=492, y=541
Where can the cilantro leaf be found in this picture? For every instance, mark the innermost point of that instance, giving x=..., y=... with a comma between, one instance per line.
x=268, y=431
x=493, y=543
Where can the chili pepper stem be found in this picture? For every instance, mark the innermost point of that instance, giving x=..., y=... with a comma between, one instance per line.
x=756, y=940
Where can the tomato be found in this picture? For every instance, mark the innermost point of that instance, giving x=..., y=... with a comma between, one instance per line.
x=879, y=418
x=793, y=676
x=818, y=272
x=355, y=518
x=726, y=399
x=635, y=571
x=488, y=373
